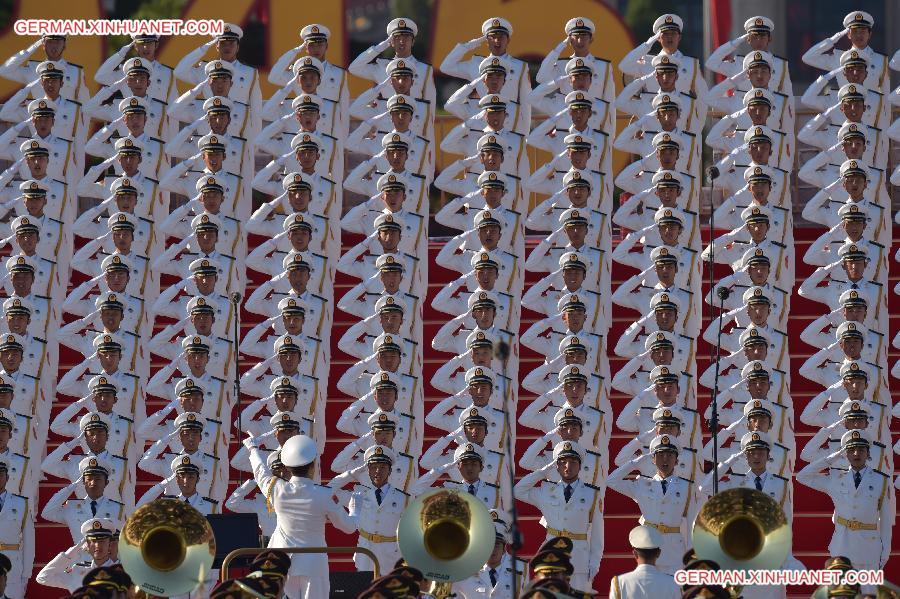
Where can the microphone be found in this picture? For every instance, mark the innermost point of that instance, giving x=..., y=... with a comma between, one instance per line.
x=723, y=293
x=712, y=173
x=235, y=298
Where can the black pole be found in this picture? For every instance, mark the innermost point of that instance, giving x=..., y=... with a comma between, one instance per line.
x=712, y=173
x=723, y=293
x=235, y=342
x=502, y=353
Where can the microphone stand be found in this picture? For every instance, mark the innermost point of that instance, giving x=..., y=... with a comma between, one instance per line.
x=235, y=342
x=712, y=173
x=723, y=293
x=502, y=354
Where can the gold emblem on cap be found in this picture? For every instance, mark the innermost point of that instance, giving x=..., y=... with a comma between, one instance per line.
x=570, y=412
x=378, y=451
x=665, y=439
x=664, y=370
x=667, y=413
x=852, y=164
x=757, y=56
x=854, y=405
x=567, y=446
x=96, y=524
x=855, y=435
x=755, y=437
x=759, y=21
x=92, y=462
x=574, y=370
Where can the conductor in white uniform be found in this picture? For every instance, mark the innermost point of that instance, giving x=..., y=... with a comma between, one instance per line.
x=301, y=509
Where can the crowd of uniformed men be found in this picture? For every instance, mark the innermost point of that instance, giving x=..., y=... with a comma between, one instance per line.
x=169, y=199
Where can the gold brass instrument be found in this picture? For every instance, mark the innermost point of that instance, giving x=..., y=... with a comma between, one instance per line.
x=742, y=529
x=446, y=534
x=167, y=547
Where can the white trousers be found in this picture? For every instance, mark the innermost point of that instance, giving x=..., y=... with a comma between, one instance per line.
x=16, y=580
x=307, y=587
x=580, y=581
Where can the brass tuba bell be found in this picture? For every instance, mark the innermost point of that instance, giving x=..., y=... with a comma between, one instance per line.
x=167, y=547
x=446, y=534
x=742, y=529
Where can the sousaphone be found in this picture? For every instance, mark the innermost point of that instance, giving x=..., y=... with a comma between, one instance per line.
x=446, y=534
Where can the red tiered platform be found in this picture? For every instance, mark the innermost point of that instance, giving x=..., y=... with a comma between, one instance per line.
x=812, y=510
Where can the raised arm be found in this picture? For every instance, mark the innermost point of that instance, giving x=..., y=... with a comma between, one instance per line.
x=365, y=65
x=637, y=61
x=187, y=69
x=821, y=56
x=718, y=61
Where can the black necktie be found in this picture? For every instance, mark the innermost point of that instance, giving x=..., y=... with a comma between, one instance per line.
x=93, y=507
x=493, y=574
x=759, y=483
x=472, y=489
x=857, y=478
x=567, y=493
x=378, y=495
x=665, y=485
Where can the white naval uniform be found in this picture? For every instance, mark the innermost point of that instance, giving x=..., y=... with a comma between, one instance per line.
x=21, y=67
x=65, y=571
x=301, y=509
x=580, y=519
x=863, y=516
x=479, y=585
x=671, y=513
x=23, y=477
x=17, y=540
x=75, y=512
x=645, y=581
x=377, y=524
x=258, y=504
